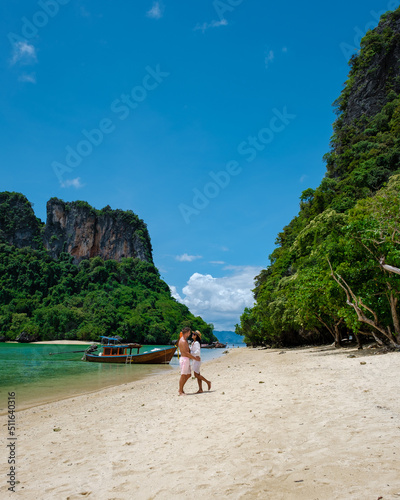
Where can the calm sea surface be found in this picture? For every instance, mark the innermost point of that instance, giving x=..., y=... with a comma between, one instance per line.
x=38, y=377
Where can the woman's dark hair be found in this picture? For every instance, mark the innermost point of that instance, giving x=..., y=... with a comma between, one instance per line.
x=194, y=334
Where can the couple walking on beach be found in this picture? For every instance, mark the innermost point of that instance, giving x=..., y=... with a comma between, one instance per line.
x=188, y=354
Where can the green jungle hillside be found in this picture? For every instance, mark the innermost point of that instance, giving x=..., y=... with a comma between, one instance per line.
x=334, y=271
x=51, y=298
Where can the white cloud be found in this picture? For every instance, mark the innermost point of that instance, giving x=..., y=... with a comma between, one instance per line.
x=76, y=183
x=269, y=58
x=214, y=24
x=187, y=258
x=175, y=294
x=303, y=178
x=220, y=301
x=31, y=78
x=217, y=262
x=24, y=53
x=156, y=12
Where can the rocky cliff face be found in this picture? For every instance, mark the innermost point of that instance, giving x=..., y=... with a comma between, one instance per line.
x=18, y=224
x=83, y=232
x=75, y=228
x=375, y=72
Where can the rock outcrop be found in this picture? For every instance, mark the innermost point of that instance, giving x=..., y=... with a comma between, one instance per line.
x=375, y=72
x=83, y=232
x=18, y=224
x=75, y=228
x=25, y=337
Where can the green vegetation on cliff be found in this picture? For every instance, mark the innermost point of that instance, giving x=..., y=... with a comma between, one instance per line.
x=327, y=277
x=18, y=223
x=56, y=299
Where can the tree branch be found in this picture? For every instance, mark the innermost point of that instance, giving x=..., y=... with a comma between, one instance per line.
x=357, y=303
x=391, y=268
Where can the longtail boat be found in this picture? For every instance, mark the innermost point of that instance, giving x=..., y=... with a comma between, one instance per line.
x=116, y=352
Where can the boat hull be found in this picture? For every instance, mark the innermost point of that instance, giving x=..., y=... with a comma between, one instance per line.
x=163, y=356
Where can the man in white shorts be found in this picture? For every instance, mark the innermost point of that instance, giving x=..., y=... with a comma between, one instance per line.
x=184, y=360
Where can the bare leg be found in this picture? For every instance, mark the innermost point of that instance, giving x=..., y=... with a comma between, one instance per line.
x=201, y=379
x=182, y=382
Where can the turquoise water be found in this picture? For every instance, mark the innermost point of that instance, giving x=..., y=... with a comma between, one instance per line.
x=38, y=377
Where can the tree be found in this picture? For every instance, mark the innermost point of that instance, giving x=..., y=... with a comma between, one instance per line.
x=374, y=227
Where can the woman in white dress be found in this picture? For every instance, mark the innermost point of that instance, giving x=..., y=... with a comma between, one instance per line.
x=195, y=351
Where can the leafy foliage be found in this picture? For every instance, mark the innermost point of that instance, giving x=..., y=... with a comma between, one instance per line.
x=55, y=299
x=58, y=300
x=325, y=278
x=18, y=221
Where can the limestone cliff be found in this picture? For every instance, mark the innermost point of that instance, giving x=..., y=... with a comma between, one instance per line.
x=83, y=232
x=18, y=224
x=364, y=159
x=375, y=71
x=75, y=228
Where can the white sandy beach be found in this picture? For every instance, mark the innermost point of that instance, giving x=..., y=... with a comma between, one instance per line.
x=302, y=424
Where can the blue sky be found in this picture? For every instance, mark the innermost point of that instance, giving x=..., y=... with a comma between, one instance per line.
x=206, y=118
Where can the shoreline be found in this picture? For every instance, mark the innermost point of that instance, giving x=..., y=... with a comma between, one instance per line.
x=100, y=390
x=53, y=342
x=289, y=425
x=53, y=387
x=85, y=393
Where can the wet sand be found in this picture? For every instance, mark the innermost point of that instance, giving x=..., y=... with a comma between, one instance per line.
x=304, y=425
